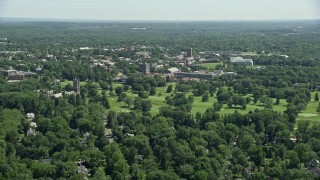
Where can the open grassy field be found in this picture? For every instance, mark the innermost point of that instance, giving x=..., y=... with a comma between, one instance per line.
x=210, y=66
x=158, y=101
x=64, y=83
x=310, y=113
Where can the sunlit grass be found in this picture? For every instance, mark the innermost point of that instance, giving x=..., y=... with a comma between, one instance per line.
x=310, y=113
x=210, y=66
x=158, y=100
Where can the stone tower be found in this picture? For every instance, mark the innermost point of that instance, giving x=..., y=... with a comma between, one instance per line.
x=76, y=84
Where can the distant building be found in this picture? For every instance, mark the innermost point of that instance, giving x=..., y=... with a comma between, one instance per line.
x=189, y=52
x=7, y=72
x=16, y=76
x=3, y=39
x=31, y=132
x=162, y=56
x=81, y=169
x=57, y=95
x=129, y=135
x=19, y=75
x=143, y=54
x=30, y=116
x=38, y=70
x=13, y=74
x=144, y=68
x=172, y=70
x=181, y=62
x=199, y=75
x=121, y=79
x=66, y=93
x=76, y=85
x=49, y=57
x=241, y=61
x=49, y=94
x=31, y=56
x=202, y=75
x=33, y=125
x=210, y=60
x=183, y=54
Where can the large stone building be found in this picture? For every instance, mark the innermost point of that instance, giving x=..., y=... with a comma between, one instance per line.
x=189, y=52
x=144, y=68
x=76, y=85
x=202, y=75
x=199, y=75
x=241, y=61
x=13, y=74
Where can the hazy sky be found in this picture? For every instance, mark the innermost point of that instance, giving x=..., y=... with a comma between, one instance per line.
x=162, y=9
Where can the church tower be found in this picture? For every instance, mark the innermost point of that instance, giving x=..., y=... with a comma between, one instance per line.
x=76, y=85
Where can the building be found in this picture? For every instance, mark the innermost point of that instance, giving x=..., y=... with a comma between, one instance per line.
x=49, y=57
x=31, y=56
x=143, y=54
x=7, y=72
x=82, y=169
x=76, y=85
x=202, y=75
x=49, y=94
x=144, y=68
x=199, y=75
x=172, y=70
x=3, y=39
x=57, y=95
x=38, y=70
x=33, y=125
x=183, y=55
x=18, y=76
x=121, y=79
x=189, y=52
x=30, y=116
x=241, y=61
x=13, y=74
x=210, y=60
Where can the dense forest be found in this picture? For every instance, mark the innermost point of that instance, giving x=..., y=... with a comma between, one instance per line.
x=83, y=136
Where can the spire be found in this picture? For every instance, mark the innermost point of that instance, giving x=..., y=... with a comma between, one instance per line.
x=76, y=84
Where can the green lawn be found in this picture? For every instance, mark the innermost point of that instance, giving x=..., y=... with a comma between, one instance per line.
x=158, y=101
x=210, y=66
x=310, y=113
x=197, y=106
x=64, y=83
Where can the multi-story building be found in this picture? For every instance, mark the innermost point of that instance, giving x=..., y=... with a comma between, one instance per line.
x=189, y=52
x=144, y=68
x=241, y=61
x=199, y=75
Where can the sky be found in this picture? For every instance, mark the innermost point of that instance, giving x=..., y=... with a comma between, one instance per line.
x=162, y=9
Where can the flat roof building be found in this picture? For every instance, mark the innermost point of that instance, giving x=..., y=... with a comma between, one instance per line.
x=241, y=61
x=199, y=75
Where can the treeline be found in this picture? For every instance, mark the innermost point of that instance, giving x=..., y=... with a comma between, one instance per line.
x=172, y=144
x=275, y=37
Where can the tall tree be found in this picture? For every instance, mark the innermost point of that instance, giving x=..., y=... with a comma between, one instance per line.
x=169, y=89
x=316, y=97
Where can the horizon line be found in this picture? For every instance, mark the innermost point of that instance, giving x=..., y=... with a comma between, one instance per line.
x=146, y=20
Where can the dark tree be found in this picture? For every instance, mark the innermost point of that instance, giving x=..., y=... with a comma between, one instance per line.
x=316, y=98
x=169, y=89
x=205, y=97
